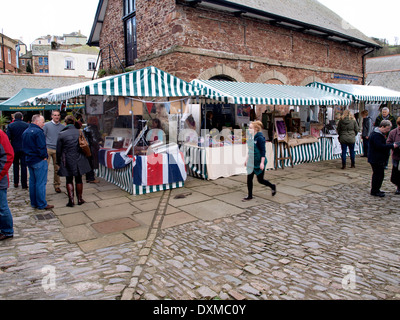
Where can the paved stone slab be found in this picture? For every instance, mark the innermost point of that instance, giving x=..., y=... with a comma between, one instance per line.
x=65, y=210
x=212, y=190
x=118, y=211
x=73, y=219
x=137, y=234
x=116, y=225
x=235, y=199
x=186, y=196
x=77, y=233
x=103, y=242
x=146, y=205
x=211, y=209
x=176, y=219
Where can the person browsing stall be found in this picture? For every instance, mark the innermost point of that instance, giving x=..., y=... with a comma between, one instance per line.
x=51, y=130
x=347, y=129
x=71, y=160
x=394, y=137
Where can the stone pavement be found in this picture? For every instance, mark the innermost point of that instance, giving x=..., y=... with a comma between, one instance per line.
x=321, y=237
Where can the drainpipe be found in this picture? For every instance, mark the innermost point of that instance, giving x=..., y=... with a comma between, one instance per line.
x=364, y=64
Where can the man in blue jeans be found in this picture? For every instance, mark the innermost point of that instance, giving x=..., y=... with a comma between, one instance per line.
x=34, y=146
x=6, y=160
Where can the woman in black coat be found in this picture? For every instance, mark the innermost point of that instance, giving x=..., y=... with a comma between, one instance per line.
x=72, y=162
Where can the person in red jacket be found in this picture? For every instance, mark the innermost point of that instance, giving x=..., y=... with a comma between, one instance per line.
x=6, y=160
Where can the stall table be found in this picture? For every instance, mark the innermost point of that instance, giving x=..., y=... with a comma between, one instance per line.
x=142, y=174
x=212, y=163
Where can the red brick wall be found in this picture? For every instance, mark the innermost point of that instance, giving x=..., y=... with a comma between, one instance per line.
x=10, y=67
x=250, y=47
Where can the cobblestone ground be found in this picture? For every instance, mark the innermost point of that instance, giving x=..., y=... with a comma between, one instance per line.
x=341, y=243
x=326, y=246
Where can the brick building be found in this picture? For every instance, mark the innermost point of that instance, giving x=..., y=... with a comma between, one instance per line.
x=275, y=41
x=8, y=54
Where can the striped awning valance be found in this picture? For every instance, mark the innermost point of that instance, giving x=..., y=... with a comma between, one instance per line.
x=272, y=94
x=146, y=82
x=360, y=93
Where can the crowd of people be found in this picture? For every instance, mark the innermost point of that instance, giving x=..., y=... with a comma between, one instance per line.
x=31, y=147
x=379, y=138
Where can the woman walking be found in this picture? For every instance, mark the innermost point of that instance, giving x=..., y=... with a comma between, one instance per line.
x=72, y=162
x=347, y=129
x=256, y=159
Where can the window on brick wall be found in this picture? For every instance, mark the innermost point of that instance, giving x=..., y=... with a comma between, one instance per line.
x=9, y=56
x=130, y=31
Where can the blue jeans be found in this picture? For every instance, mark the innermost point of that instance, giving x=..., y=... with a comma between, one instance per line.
x=6, y=220
x=37, y=184
x=344, y=152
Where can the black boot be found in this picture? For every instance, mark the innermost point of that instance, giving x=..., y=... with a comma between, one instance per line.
x=79, y=191
x=70, y=192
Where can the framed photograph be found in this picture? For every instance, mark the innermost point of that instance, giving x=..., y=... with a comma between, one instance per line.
x=127, y=142
x=94, y=105
x=280, y=129
x=109, y=142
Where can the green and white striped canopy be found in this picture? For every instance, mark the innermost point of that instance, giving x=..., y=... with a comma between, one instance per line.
x=261, y=93
x=14, y=103
x=360, y=93
x=147, y=82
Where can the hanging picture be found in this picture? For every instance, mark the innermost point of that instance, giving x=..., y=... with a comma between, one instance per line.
x=126, y=105
x=94, y=105
x=280, y=129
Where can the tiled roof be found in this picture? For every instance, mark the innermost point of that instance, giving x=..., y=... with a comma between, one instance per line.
x=11, y=84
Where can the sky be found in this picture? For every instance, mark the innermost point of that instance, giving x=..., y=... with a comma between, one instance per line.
x=27, y=20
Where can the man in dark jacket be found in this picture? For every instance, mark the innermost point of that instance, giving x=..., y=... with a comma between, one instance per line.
x=378, y=155
x=34, y=145
x=6, y=160
x=14, y=132
x=385, y=115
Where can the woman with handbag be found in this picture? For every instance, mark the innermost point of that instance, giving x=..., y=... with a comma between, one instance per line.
x=71, y=159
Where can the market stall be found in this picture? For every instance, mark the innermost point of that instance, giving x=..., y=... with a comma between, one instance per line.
x=223, y=154
x=124, y=108
x=371, y=98
x=15, y=102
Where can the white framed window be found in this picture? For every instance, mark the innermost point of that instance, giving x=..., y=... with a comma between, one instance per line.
x=69, y=63
x=91, y=65
x=9, y=55
x=1, y=52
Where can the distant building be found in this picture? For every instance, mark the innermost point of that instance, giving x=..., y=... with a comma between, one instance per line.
x=66, y=55
x=8, y=54
x=75, y=62
x=385, y=72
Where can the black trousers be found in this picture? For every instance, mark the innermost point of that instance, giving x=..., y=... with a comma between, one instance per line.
x=70, y=179
x=378, y=174
x=260, y=179
x=19, y=162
